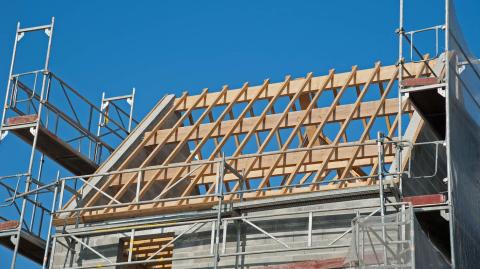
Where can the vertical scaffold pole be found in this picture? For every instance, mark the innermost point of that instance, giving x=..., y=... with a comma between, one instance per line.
x=49, y=32
x=380, y=140
x=54, y=240
x=39, y=178
x=412, y=235
x=97, y=150
x=238, y=239
x=52, y=214
x=130, y=245
x=451, y=198
x=400, y=63
x=131, y=103
x=380, y=143
x=221, y=171
x=18, y=36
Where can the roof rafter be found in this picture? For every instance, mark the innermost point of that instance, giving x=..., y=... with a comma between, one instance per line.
x=181, y=151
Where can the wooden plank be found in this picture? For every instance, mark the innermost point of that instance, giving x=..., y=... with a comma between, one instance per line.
x=30, y=246
x=58, y=150
x=387, y=119
x=238, y=151
x=277, y=124
x=216, y=125
x=19, y=120
x=260, y=119
x=364, y=121
x=198, y=121
x=146, y=246
x=252, y=115
x=192, y=122
x=158, y=147
x=421, y=70
x=305, y=114
x=126, y=212
x=362, y=77
x=415, y=82
x=428, y=199
x=188, y=205
x=261, y=166
x=319, y=128
x=136, y=152
x=316, y=117
x=8, y=225
x=392, y=129
x=367, y=155
x=149, y=241
x=125, y=149
x=365, y=135
x=306, y=168
x=319, y=173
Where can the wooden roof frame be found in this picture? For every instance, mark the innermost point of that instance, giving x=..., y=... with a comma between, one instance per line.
x=302, y=117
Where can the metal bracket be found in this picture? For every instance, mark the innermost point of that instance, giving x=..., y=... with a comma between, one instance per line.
x=33, y=131
x=3, y=134
x=130, y=101
x=400, y=62
x=14, y=239
x=48, y=32
x=20, y=36
x=105, y=105
x=445, y=214
x=441, y=91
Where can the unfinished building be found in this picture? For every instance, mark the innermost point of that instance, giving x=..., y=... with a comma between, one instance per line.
x=369, y=168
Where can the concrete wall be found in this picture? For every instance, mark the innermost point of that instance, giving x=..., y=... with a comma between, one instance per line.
x=290, y=229
x=424, y=179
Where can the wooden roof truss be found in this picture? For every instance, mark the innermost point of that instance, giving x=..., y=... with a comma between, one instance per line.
x=296, y=136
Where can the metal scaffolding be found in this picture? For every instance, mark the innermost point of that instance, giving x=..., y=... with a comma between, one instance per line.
x=381, y=236
x=218, y=218
x=57, y=122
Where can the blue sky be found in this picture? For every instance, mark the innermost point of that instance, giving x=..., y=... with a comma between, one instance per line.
x=163, y=47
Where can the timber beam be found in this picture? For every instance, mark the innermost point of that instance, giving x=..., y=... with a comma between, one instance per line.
x=362, y=77
x=364, y=111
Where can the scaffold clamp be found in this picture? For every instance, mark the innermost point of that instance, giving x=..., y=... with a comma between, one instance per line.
x=3, y=134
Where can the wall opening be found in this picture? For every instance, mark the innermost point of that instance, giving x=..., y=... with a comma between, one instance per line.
x=145, y=246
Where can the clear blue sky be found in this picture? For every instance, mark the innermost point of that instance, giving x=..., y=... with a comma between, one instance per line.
x=164, y=47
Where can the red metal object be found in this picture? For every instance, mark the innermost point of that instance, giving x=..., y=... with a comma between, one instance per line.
x=335, y=263
x=21, y=119
x=8, y=225
x=413, y=82
x=429, y=199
